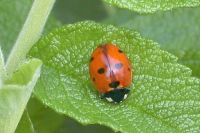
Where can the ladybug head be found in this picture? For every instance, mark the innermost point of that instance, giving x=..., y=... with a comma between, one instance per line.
x=116, y=95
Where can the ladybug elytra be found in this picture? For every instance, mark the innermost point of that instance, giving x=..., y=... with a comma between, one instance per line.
x=111, y=72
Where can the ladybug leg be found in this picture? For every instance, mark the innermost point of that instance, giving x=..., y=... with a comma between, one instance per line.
x=126, y=91
x=107, y=97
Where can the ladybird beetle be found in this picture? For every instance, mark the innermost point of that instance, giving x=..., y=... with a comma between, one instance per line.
x=110, y=71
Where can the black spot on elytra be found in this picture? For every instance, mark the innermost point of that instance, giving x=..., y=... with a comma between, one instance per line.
x=120, y=51
x=118, y=65
x=101, y=70
x=114, y=84
x=91, y=59
x=129, y=69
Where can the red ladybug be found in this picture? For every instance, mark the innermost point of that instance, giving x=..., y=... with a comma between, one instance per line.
x=110, y=71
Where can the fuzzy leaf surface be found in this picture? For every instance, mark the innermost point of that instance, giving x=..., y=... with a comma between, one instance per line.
x=164, y=97
x=150, y=6
x=14, y=94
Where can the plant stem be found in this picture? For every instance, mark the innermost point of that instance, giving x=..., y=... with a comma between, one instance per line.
x=2, y=67
x=29, y=34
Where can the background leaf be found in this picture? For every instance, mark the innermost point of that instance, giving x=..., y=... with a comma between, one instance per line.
x=38, y=118
x=15, y=94
x=25, y=125
x=40, y=115
x=164, y=97
x=69, y=11
x=176, y=31
x=149, y=6
x=72, y=126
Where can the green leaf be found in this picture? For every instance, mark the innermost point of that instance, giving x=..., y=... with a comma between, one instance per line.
x=25, y=125
x=35, y=119
x=25, y=74
x=15, y=94
x=176, y=31
x=40, y=115
x=150, y=6
x=163, y=98
x=69, y=11
x=72, y=126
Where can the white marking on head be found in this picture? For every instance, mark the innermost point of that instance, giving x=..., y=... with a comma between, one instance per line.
x=109, y=99
x=125, y=96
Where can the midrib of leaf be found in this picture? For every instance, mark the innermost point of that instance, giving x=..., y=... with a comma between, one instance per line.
x=65, y=86
x=29, y=34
